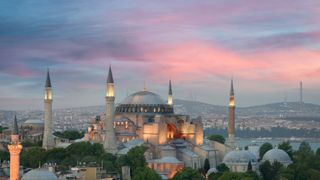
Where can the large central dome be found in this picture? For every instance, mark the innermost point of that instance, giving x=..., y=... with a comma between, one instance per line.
x=144, y=102
x=143, y=97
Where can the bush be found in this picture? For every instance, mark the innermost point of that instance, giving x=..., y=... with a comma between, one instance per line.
x=264, y=148
x=71, y=135
x=216, y=137
x=188, y=173
x=145, y=173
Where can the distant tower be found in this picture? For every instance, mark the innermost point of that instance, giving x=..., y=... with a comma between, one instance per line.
x=110, y=139
x=231, y=122
x=48, y=142
x=15, y=148
x=301, y=95
x=170, y=98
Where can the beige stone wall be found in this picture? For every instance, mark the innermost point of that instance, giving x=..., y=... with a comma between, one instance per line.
x=222, y=150
x=212, y=155
x=151, y=133
x=199, y=134
x=167, y=152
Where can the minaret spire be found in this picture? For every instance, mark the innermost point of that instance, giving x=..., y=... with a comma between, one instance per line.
x=15, y=130
x=110, y=144
x=48, y=81
x=170, y=97
x=231, y=89
x=110, y=77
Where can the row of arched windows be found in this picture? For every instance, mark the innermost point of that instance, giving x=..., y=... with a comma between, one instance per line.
x=144, y=109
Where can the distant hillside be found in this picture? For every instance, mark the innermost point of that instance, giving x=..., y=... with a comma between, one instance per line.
x=289, y=110
x=284, y=110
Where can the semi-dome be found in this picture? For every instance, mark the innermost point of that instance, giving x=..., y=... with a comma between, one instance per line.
x=144, y=102
x=277, y=155
x=237, y=156
x=39, y=174
x=143, y=97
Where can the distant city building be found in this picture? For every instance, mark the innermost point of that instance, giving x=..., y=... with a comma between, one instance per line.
x=32, y=130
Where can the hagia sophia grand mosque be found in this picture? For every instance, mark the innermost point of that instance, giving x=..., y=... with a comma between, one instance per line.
x=174, y=141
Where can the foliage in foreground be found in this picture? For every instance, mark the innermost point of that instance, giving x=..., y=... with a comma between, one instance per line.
x=145, y=173
x=88, y=154
x=71, y=135
x=188, y=173
x=217, y=137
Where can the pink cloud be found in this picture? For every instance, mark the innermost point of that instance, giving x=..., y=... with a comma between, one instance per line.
x=199, y=59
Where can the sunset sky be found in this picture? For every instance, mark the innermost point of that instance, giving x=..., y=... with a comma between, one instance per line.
x=267, y=46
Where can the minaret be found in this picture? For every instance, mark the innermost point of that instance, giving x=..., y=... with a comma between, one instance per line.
x=110, y=144
x=170, y=98
x=48, y=142
x=15, y=148
x=231, y=122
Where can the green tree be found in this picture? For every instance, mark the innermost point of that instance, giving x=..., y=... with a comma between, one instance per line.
x=285, y=173
x=249, y=166
x=217, y=137
x=270, y=171
x=108, y=161
x=276, y=167
x=287, y=148
x=82, y=149
x=2, y=128
x=136, y=157
x=55, y=155
x=250, y=175
x=222, y=168
x=71, y=135
x=4, y=155
x=266, y=170
x=145, y=173
x=122, y=160
x=31, y=158
x=188, y=173
x=318, y=152
x=206, y=165
x=313, y=174
x=305, y=148
x=31, y=144
x=264, y=148
x=231, y=175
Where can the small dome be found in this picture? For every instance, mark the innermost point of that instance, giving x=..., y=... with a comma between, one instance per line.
x=277, y=155
x=39, y=174
x=143, y=97
x=212, y=170
x=242, y=156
